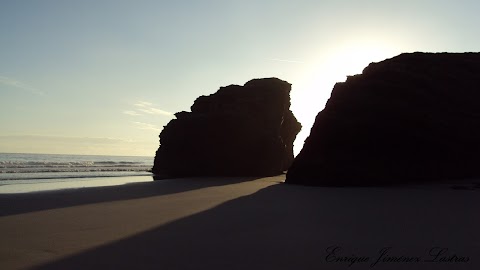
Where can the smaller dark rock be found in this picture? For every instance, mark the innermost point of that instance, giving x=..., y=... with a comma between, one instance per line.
x=238, y=131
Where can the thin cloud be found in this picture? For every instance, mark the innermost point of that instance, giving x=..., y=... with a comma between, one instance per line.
x=132, y=113
x=148, y=108
x=155, y=111
x=287, y=61
x=146, y=126
x=143, y=104
x=20, y=85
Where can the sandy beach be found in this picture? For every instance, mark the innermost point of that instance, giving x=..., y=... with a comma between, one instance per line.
x=242, y=223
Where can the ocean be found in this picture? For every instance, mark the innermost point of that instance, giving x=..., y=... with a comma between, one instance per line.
x=40, y=172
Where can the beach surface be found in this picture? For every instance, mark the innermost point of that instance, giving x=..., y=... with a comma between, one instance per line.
x=242, y=223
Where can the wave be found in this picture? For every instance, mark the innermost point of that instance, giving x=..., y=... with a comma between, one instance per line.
x=74, y=169
x=48, y=166
x=19, y=178
x=22, y=164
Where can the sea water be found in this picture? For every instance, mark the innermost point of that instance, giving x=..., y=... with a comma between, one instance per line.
x=36, y=172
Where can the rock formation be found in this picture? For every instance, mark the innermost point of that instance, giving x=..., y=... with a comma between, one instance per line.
x=415, y=117
x=238, y=131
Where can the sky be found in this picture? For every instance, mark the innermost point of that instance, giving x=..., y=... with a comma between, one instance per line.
x=104, y=76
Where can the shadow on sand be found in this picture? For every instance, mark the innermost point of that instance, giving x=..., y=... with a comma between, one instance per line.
x=290, y=227
x=37, y=201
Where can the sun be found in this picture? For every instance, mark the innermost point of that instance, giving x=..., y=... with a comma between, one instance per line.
x=313, y=90
x=352, y=60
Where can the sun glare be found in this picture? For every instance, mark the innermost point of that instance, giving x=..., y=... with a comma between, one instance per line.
x=311, y=93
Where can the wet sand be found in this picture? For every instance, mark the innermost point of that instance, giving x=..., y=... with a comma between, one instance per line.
x=242, y=223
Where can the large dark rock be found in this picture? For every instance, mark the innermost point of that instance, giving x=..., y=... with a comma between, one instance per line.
x=238, y=131
x=415, y=117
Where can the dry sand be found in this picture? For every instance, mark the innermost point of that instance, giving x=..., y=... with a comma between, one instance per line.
x=239, y=223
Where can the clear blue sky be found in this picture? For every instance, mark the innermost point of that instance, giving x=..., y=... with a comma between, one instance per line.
x=104, y=76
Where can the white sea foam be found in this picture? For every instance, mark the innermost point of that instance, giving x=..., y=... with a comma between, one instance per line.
x=46, y=166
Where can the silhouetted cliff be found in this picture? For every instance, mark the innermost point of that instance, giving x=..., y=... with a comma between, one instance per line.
x=415, y=117
x=238, y=131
